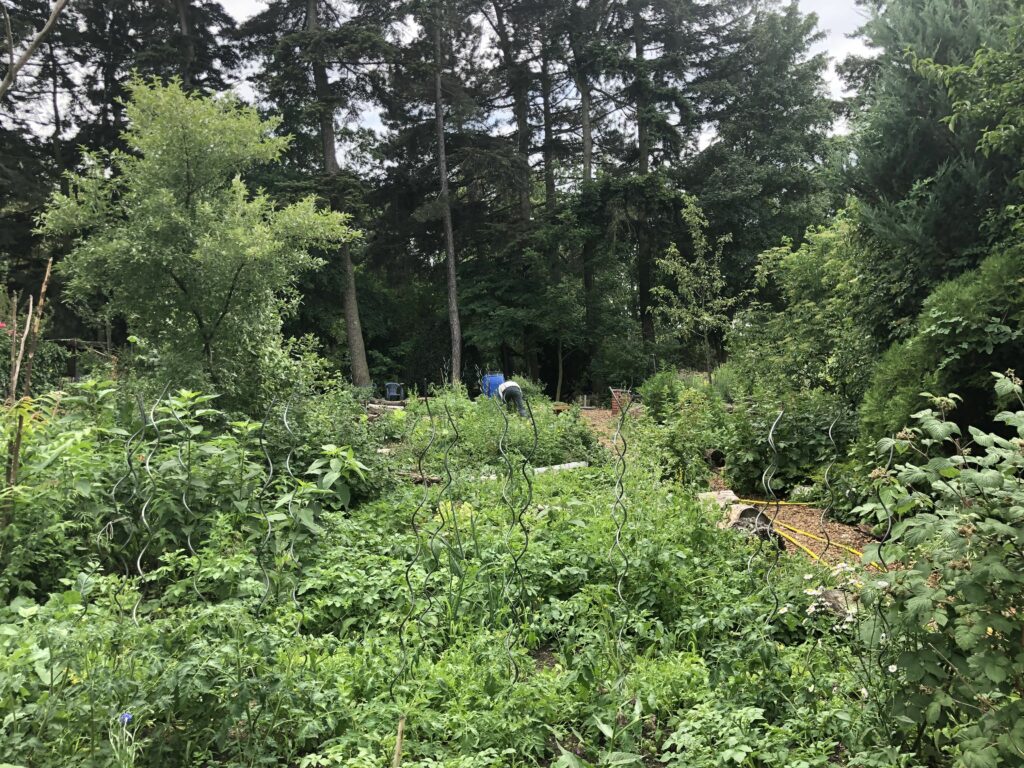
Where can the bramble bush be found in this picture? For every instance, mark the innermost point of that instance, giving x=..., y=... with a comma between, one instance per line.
x=954, y=604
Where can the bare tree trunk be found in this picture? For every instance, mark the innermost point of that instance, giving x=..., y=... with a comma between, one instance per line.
x=586, y=129
x=644, y=262
x=582, y=79
x=58, y=123
x=188, y=53
x=446, y=210
x=323, y=97
x=548, y=150
x=517, y=76
x=36, y=327
x=353, y=326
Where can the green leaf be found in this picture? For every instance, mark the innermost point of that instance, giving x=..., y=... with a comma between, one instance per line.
x=344, y=494
x=604, y=728
x=305, y=517
x=995, y=670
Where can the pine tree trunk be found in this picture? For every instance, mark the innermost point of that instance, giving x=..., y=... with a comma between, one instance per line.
x=518, y=78
x=188, y=52
x=644, y=262
x=582, y=80
x=548, y=150
x=446, y=211
x=353, y=327
x=322, y=90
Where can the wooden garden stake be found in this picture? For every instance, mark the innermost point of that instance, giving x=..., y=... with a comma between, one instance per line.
x=396, y=760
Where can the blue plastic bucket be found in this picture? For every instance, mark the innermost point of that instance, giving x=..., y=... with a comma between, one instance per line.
x=490, y=383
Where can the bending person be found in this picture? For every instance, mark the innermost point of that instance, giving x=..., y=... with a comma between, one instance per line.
x=511, y=394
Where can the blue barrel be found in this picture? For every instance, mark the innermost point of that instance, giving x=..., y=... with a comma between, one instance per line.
x=490, y=383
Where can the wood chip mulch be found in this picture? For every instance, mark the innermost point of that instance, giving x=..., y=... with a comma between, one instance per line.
x=808, y=519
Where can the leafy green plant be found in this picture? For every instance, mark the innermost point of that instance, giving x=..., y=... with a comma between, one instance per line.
x=967, y=327
x=801, y=439
x=474, y=433
x=951, y=608
x=660, y=394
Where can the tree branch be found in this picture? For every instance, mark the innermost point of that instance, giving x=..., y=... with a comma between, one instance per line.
x=16, y=66
x=230, y=296
x=10, y=38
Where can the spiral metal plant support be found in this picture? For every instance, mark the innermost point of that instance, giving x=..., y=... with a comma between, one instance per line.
x=186, y=466
x=410, y=615
x=259, y=501
x=829, y=489
x=882, y=621
x=766, y=482
x=151, y=492
x=438, y=540
x=620, y=515
x=514, y=591
x=130, y=472
x=292, y=532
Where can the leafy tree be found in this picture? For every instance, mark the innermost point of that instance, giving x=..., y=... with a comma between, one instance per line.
x=762, y=176
x=170, y=240
x=807, y=329
x=696, y=308
x=971, y=324
x=989, y=92
x=924, y=193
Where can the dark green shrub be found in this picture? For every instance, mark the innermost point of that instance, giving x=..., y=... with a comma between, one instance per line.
x=660, y=394
x=968, y=326
x=801, y=438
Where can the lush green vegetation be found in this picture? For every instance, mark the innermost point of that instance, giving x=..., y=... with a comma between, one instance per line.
x=231, y=594
x=247, y=618
x=216, y=549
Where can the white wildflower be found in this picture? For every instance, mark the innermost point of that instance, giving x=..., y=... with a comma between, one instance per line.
x=893, y=668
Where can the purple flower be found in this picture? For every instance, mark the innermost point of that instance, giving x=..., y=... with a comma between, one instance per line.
x=124, y=718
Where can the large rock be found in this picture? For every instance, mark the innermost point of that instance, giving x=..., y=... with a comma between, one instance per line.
x=742, y=517
x=719, y=498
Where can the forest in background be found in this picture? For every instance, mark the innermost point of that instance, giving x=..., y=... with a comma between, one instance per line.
x=630, y=185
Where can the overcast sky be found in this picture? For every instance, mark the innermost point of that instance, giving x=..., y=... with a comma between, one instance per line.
x=838, y=18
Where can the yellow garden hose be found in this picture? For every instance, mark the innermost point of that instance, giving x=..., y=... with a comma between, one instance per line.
x=793, y=528
x=773, y=503
x=851, y=550
x=796, y=543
